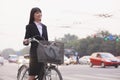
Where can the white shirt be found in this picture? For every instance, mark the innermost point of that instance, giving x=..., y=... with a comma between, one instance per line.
x=39, y=26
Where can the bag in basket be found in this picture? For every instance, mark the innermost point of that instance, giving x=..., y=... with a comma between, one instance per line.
x=51, y=52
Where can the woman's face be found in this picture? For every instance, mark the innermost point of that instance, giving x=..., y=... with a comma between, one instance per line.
x=37, y=16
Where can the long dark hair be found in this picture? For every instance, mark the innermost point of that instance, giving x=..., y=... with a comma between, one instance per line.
x=33, y=11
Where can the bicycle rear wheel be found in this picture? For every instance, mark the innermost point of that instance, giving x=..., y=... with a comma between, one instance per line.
x=52, y=74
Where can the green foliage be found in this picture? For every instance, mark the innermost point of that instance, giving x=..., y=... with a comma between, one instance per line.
x=70, y=41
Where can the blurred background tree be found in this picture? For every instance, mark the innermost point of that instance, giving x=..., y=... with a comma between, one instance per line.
x=94, y=43
x=6, y=52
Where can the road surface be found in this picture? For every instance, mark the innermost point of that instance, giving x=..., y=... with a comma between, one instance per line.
x=70, y=72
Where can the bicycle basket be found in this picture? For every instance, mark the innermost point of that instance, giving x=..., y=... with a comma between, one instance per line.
x=50, y=52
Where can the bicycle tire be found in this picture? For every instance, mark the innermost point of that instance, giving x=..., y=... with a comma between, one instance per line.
x=52, y=69
x=26, y=73
x=46, y=74
x=21, y=70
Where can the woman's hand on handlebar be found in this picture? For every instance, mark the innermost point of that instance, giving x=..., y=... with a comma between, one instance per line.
x=26, y=41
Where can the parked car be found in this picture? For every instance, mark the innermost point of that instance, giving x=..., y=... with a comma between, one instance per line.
x=104, y=59
x=1, y=60
x=66, y=60
x=84, y=60
x=13, y=58
x=73, y=60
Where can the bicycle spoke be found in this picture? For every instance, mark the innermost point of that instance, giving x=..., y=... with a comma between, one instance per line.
x=26, y=76
x=52, y=74
x=22, y=73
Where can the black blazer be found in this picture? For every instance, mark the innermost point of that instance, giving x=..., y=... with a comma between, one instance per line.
x=31, y=31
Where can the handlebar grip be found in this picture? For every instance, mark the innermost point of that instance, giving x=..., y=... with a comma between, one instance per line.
x=38, y=37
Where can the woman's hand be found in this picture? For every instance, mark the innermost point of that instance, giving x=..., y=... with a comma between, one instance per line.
x=26, y=42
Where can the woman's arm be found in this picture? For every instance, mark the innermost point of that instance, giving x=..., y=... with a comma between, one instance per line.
x=46, y=34
x=27, y=35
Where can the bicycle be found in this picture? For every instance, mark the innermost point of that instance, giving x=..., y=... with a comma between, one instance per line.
x=51, y=71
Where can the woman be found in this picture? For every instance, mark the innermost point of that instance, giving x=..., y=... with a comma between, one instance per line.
x=35, y=27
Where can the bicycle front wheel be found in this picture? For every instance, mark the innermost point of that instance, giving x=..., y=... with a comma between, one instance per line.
x=21, y=72
x=26, y=74
x=53, y=74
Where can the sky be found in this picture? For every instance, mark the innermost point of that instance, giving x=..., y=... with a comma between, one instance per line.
x=78, y=17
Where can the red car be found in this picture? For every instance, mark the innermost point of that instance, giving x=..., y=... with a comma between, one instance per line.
x=104, y=59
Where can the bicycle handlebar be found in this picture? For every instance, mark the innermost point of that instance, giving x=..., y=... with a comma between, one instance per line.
x=33, y=39
x=36, y=40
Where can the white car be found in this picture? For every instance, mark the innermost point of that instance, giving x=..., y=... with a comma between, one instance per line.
x=66, y=60
x=84, y=60
x=1, y=60
x=73, y=60
x=13, y=58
